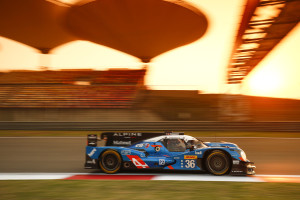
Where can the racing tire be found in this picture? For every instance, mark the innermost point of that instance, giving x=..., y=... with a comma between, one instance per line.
x=217, y=163
x=110, y=162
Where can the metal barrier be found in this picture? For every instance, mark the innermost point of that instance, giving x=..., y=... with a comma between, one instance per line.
x=154, y=126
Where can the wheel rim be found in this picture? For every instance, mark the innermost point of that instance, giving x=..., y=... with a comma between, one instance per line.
x=218, y=163
x=110, y=162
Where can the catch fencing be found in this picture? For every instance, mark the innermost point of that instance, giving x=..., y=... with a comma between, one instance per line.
x=155, y=126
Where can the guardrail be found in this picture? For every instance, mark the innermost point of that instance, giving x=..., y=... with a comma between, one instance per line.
x=154, y=126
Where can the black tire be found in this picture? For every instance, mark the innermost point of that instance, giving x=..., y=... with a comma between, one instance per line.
x=110, y=162
x=217, y=163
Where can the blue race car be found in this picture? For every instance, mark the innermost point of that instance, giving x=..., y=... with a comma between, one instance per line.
x=170, y=151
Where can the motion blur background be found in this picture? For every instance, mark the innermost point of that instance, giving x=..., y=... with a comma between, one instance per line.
x=217, y=69
x=149, y=61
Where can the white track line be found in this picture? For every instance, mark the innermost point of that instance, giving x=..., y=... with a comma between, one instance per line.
x=33, y=176
x=173, y=177
x=207, y=178
x=270, y=175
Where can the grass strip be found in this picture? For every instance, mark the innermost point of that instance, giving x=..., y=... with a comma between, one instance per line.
x=93, y=189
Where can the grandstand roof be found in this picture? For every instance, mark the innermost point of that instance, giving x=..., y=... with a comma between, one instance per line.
x=142, y=28
x=145, y=33
x=36, y=23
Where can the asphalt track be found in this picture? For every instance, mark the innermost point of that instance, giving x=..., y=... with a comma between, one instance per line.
x=278, y=156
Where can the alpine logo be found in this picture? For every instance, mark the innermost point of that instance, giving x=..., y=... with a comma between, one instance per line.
x=128, y=134
x=137, y=161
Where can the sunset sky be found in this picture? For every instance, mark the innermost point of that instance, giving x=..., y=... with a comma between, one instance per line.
x=198, y=66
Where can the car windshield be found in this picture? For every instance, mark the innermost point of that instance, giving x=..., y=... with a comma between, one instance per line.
x=196, y=143
x=186, y=139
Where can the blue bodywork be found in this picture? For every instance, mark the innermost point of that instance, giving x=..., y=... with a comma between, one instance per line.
x=154, y=155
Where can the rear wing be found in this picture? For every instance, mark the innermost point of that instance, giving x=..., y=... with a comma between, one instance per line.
x=124, y=138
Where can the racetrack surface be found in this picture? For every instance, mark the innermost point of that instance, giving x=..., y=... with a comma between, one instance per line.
x=66, y=154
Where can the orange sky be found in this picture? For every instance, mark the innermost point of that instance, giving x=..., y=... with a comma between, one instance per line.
x=200, y=65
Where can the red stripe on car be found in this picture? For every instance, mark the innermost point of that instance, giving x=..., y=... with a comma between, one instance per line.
x=137, y=161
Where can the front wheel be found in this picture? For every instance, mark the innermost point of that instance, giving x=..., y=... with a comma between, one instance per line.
x=217, y=163
x=110, y=162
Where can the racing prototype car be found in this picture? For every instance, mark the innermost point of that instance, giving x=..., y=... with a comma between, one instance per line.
x=171, y=151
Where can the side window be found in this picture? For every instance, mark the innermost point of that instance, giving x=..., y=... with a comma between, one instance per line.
x=175, y=145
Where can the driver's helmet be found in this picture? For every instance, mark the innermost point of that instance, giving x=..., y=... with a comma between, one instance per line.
x=190, y=143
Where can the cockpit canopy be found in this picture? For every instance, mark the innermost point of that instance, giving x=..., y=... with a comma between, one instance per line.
x=178, y=143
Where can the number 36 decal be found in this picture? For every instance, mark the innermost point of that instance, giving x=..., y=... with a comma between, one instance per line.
x=190, y=164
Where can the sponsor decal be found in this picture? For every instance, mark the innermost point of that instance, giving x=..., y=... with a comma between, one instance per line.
x=235, y=162
x=128, y=134
x=139, y=145
x=237, y=171
x=157, y=148
x=146, y=145
x=125, y=152
x=176, y=158
x=198, y=152
x=162, y=162
x=190, y=157
x=91, y=161
x=122, y=142
x=137, y=161
x=92, y=152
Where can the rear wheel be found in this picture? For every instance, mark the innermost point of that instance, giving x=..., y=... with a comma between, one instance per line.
x=110, y=162
x=217, y=163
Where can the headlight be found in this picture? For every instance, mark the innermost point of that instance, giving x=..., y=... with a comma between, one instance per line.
x=243, y=155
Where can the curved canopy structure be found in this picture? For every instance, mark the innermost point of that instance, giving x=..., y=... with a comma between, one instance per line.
x=142, y=28
x=259, y=33
x=36, y=23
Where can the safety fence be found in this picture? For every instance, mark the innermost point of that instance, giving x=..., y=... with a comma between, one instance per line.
x=155, y=126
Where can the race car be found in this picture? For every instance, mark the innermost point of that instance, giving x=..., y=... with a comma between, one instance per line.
x=166, y=151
